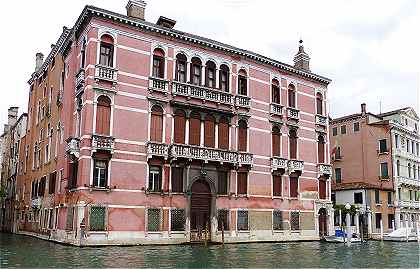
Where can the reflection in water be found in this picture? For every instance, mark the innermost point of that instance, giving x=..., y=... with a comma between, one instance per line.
x=22, y=251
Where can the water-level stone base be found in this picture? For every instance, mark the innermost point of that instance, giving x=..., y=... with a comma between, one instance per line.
x=165, y=238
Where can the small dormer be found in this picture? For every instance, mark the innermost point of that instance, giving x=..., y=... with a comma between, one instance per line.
x=166, y=22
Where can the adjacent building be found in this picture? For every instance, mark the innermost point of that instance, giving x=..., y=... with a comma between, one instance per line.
x=142, y=134
x=374, y=170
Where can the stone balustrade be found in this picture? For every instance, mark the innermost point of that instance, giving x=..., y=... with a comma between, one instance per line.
x=102, y=142
x=106, y=73
x=158, y=84
x=73, y=146
x=276, y=109
x=321, y=120
x=295, y=165
x=408, y=181
x=278, y=163
x=202, y=93
x=324, y=169
x=292, y=113
x=157, y=149
x=243, y=101
x=409, y=204
x=36, y=202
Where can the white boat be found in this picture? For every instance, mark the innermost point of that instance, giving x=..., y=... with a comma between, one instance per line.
x=341, y=237
x=402, y=235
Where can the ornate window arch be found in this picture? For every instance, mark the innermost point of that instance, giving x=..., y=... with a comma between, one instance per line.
x=293, y=137
x=224, y=81
x=276, y=140
x=275, y=91
x=158, y=64
x=103, y=115
x=106, y=50
x=242, y=82
x=319, y=103
x=181, y=67
x=242, y=135
x=179, y=126
x=291, y=95
x=156, y=123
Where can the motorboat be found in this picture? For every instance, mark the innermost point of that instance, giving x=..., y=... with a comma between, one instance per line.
x=402, y=235
x=341, y=237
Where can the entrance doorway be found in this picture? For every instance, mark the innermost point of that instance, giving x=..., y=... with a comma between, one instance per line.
x=200, y=210
x=322, y=222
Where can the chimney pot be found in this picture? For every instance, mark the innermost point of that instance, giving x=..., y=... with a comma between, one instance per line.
x=363, y=107
x=12, y=114
x=136, y=9
x=39, y=59
x=301, y=58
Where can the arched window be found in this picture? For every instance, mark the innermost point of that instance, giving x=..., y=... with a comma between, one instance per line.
x=293, y=144
x=275, y=140
x=398, y=167
x=156, y=124
x=319, y=104
x=275, y=91
x=103, y=115
x=181, y=68
x=195, y=128
x=242, y=135
x=210, y=74
x=409, y=170
x=291, y=93
x=224, y=78
x=242, y=83
x=223, y=134
x=322, y=188
x=195, y=76
x=209, y=129
x=321, y=149
x=106, y=52
x=158, y=70
x=179, y=127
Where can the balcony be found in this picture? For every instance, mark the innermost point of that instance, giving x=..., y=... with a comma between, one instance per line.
x=158, y=84
x=276, y=109
x=80, y=80
x=106, y=73
x=157, y=149
x=321, y=120
x=292, y=113
x=409, y=204
x=102, y=142
x=278, y=163
x=295, y=165
x=408, y=181
x=210, y=154
x=36, y=202
x=243, y=101
x=325, y=169
x=201, y=93
x=73, y=147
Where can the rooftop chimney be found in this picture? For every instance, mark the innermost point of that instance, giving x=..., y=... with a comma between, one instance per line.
x=136, y=9
x=363, y=107
x=166, y=22
x=39, y=60
x=12, y=114
x=301, y=58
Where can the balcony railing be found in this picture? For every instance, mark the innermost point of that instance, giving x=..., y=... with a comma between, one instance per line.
x=409, y=204
x=242, y=101
x=210, y=154
x=36, y=202
x=102, y=142
x=80, y=79
x=276, y=109
x=292, y=113
x=157, y=149
x=325, y=169
x=295, y=165
x=202, y=93
x=73, y=146
x=106, y=73
x=158, y=84
x=408, y=181
x=278, y=163
x=320, y=120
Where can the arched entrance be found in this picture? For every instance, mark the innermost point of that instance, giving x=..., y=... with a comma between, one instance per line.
x=322, y=222
x=200, y=210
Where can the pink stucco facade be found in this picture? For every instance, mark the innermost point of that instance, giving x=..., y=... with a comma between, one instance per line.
x=127, y=204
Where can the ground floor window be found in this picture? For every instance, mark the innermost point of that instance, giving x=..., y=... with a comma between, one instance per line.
x=177, y=180
x=97, y=218
x=294, y=186
x=294, y=221
x=51, y=219
x=100, y=173
x=243, y=220
x=277, y=220
x=70, y=215
x=223, y=219
x=153, y=219
x=242, y=183
x=155, y=178
x=378, y=218
x=277, y=185
x=177, y=220
x=222, y=182
x=391, y=221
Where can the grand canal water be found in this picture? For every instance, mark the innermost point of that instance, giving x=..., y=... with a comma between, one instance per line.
x=22, y=251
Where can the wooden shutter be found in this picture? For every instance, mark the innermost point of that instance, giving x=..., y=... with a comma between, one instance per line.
x=276, y=143
x=177, y=179
x=223, y=134
x=276, y=185
x=242, y=183
x=242, y=136
x=294, y=186
x=275, y=92
x=293, y=145
x=156, y=124
x=179, y=128
x=319, y=104
x=195, y=128
x=209, y=125
x=291, y=98
x=322, y=189
x=103, y=115
x=321, y=155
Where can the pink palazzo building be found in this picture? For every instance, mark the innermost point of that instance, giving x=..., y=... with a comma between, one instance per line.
x=171, y=138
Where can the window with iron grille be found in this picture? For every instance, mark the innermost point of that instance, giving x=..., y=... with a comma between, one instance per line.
x=177, y=220
x=223, y=219
x=70, y=215
x=243, y=220
x=294, y=221
x=97, y=218
x=153, y=219
x=277, y=220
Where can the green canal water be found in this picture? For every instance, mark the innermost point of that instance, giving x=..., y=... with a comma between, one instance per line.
x=22, y=251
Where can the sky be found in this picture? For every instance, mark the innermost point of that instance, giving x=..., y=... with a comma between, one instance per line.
x=370, y=49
